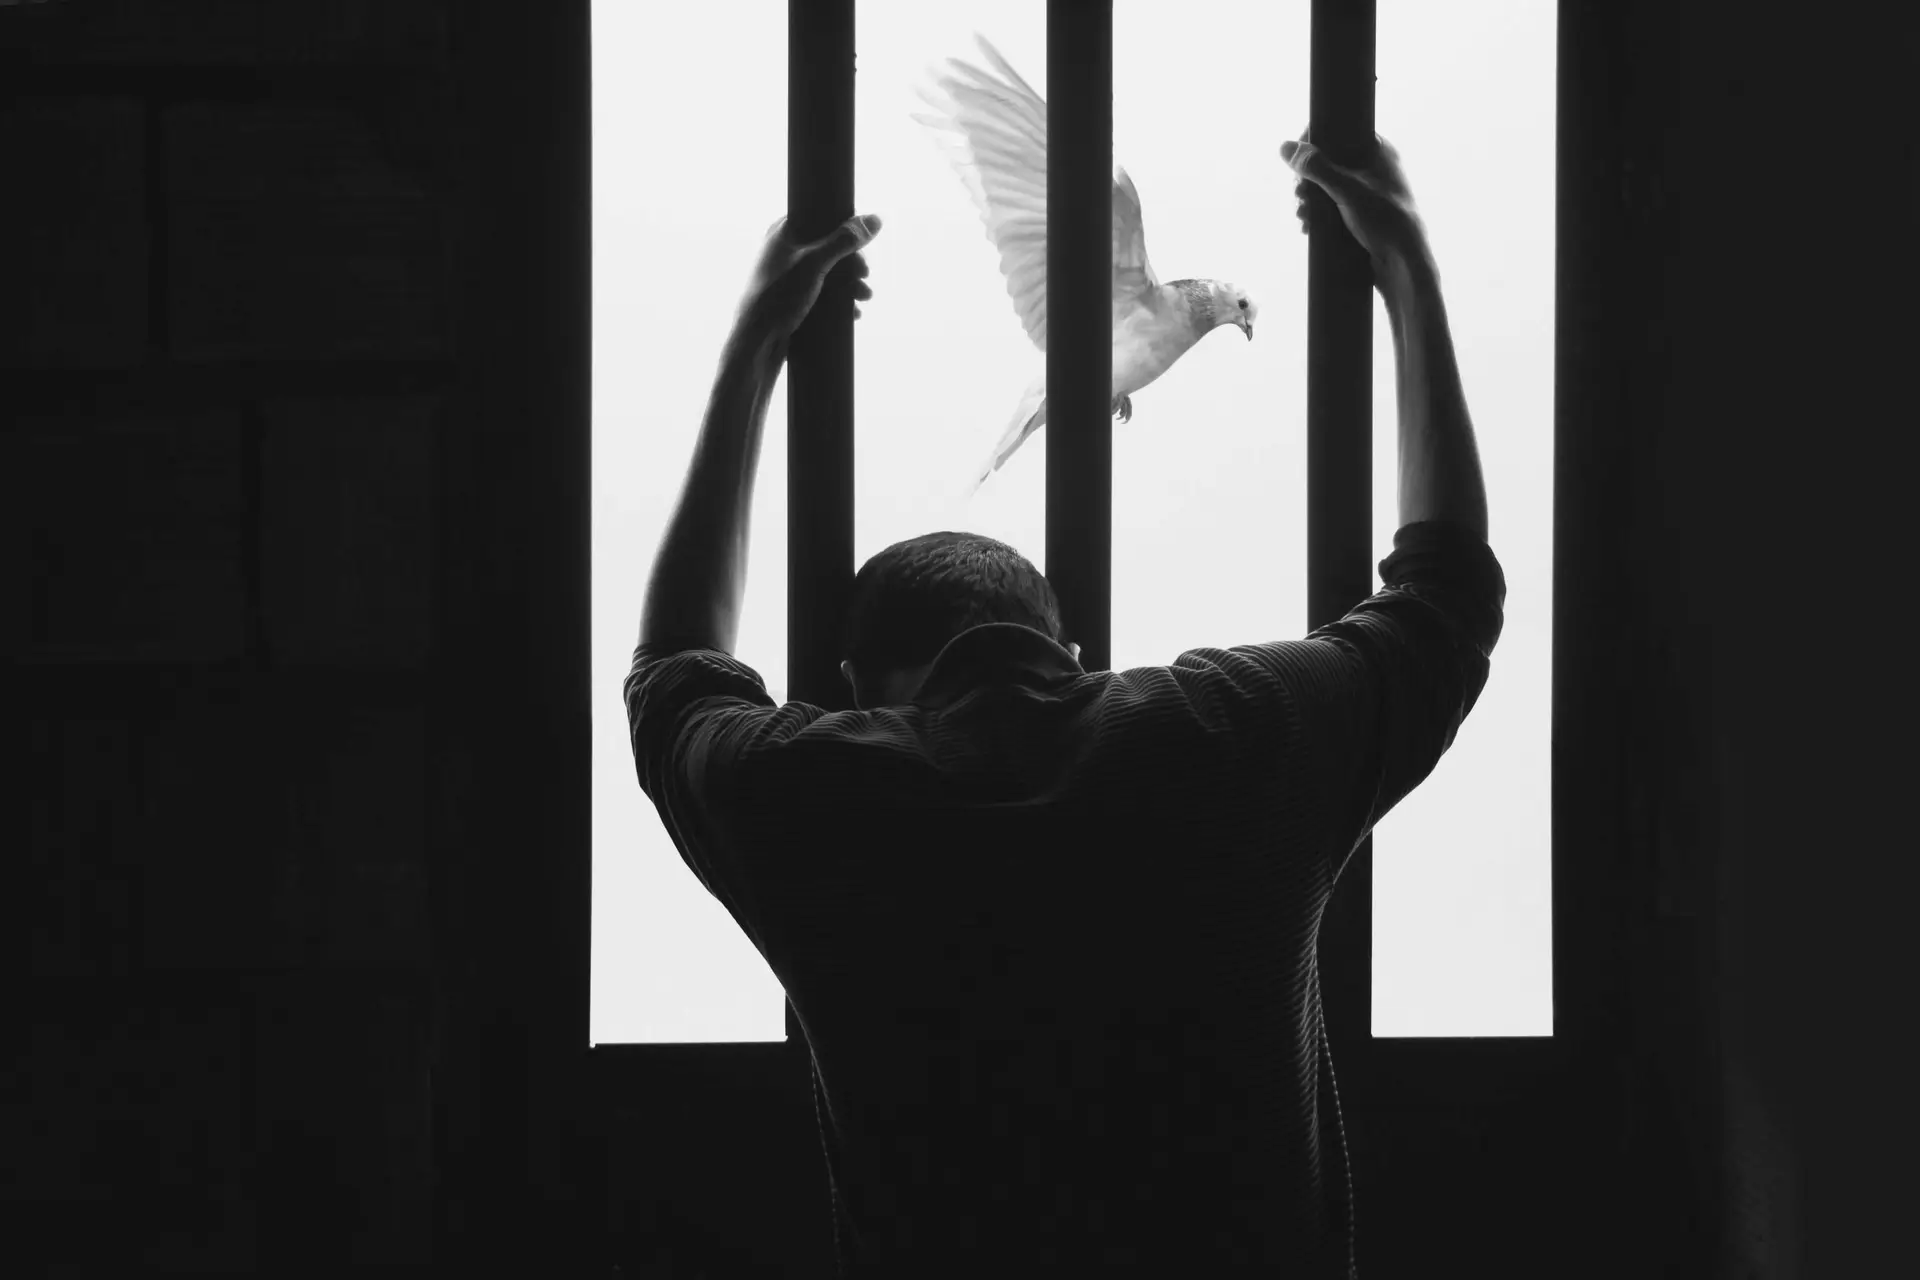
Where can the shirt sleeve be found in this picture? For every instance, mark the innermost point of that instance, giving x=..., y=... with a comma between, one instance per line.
x=694, y=717
x=1364, y=707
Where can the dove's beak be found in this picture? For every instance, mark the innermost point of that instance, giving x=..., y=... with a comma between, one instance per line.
x=1246, y=327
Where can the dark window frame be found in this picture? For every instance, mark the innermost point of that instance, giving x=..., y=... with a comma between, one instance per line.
x=1492, y=1150
x=1408, y=1103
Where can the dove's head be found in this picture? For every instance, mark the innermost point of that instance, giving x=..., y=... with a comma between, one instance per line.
x=1231, y=305
x=1212, y=303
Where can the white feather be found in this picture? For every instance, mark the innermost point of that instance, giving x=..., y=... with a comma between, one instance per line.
x=1028, y=418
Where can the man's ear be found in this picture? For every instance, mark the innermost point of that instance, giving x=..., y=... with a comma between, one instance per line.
x=846, y=671
x=1074, y=649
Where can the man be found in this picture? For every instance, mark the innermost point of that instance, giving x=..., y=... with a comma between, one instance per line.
x=1050, y=932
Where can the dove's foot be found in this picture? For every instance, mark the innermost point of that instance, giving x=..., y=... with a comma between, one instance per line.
x=1124, y=408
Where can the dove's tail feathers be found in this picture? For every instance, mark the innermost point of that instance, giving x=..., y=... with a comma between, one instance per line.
x=1027, y=419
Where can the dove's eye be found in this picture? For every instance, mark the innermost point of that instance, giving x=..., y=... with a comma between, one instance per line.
x=1243, y=304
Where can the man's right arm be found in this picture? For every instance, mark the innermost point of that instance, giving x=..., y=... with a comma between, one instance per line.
x=1414, y=657
x=1375, y=698
x=1440, y=475
x=1439, y=466
x=1369, y=703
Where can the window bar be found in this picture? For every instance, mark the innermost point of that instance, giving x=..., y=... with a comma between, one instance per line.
x=820, y=564
x=1340, y=460
x=1080, y=333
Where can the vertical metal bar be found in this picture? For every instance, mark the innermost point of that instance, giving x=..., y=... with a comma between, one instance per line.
x=1079, y=321
x=1339, y=326
x=1340, y=460
x=819, y=361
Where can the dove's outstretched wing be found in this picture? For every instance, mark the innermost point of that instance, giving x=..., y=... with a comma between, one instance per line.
x=994, y=128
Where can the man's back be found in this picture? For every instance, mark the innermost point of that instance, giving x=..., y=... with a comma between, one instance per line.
x=1050, y=933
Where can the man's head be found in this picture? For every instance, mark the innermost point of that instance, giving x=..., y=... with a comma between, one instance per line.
x=913, y=597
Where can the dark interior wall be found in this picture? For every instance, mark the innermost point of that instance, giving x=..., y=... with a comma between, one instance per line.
x=293, y=404
x=226, y=338
x=1764, y=164
x=1749, y=287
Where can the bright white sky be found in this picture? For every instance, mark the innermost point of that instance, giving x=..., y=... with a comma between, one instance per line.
x=689, y=169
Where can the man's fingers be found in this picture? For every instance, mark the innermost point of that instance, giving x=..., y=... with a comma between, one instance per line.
x=1310, y=164
x=849, y=237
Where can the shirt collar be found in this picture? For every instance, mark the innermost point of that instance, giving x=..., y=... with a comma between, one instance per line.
x=995, y=653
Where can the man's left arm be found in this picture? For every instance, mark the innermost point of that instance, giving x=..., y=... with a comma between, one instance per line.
x=699, y=577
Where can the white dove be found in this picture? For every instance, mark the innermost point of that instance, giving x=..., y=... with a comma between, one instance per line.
x=995, y=131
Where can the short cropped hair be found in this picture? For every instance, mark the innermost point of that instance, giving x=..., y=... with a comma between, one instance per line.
x=912, y=598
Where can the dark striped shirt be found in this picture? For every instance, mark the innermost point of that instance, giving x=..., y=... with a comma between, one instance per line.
x=1051, y=933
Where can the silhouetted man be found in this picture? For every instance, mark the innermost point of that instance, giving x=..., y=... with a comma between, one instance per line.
x=1051, y=933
